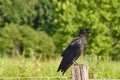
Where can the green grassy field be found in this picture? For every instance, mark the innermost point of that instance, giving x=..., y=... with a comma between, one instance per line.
x=22, y=67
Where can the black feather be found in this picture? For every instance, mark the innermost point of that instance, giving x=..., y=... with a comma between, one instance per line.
x=73, y=51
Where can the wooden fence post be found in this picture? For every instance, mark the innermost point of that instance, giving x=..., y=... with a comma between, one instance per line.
x=80, y=72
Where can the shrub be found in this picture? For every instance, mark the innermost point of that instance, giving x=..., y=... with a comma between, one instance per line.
x=32, y=42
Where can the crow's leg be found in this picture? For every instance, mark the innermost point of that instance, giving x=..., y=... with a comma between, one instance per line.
x=75, y=63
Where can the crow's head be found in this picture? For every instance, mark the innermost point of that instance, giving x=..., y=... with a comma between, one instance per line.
x=84, y=31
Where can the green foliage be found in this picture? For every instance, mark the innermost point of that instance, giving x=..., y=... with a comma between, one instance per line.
x=62, y=20
x=38, y=13
x=32, y=41
x=45, y=11
x=20, y=12
x=101, y=16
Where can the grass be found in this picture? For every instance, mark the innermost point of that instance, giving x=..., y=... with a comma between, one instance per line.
x=22, y=67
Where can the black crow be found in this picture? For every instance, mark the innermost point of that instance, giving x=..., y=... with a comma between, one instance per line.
x=74, y=50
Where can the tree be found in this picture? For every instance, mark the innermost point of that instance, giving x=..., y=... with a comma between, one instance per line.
x=101, y=16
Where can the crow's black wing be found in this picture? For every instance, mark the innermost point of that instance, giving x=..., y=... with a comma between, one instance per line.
x=71, y=53
x=71, y=46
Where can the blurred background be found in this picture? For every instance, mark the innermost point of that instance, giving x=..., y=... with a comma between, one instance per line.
x=34, y=33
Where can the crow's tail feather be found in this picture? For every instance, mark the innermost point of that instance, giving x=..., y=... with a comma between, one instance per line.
x=64, y=65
